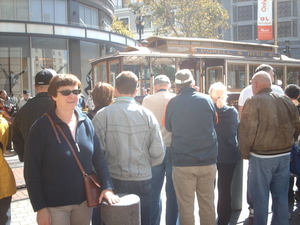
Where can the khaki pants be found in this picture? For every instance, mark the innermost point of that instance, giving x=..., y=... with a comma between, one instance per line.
x=71, y=214
x=187, y=181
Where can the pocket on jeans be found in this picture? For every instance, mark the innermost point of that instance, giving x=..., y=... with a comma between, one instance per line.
x=145, y=186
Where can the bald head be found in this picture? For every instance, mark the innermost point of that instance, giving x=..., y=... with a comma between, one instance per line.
x=261, y=80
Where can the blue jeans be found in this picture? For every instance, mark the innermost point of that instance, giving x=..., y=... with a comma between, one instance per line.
x=139, y=188
x=269, y=175
x=158, y=175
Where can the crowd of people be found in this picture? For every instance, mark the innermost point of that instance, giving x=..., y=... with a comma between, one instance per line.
x=188, y=139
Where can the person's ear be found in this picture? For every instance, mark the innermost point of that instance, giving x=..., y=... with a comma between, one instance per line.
x=135, y=92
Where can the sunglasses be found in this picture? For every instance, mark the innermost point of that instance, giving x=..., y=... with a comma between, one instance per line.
x=68, y=92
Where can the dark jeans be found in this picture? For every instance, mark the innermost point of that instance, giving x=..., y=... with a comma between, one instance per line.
x=139, y=188
x=158, y=175
x=5, y=211
x=225, y=175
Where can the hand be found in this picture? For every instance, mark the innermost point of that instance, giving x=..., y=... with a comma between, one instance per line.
x=43, y=217
x=109, y=196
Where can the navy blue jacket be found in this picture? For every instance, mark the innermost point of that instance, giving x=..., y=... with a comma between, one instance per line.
x=52, y=175
x=226, y=129
x=191, y=117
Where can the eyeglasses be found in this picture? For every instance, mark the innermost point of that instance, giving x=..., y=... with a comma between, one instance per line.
x=68, y=92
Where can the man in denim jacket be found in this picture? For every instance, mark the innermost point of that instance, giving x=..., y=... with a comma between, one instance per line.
x=132, y=142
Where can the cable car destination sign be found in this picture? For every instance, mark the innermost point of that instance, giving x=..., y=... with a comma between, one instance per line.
x=213, y=51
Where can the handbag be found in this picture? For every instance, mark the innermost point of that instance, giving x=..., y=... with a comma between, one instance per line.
x=295, y=160
x=91, y=182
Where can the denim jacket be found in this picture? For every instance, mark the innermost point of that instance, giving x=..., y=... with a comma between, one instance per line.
x=130, y=138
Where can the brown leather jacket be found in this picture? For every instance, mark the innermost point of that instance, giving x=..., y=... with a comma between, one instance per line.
x=269, y=124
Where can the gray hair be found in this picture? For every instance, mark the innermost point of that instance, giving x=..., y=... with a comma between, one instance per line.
x=162, y=79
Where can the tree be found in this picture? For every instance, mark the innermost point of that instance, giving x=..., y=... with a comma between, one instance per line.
x=118, y=26
x=184, y=18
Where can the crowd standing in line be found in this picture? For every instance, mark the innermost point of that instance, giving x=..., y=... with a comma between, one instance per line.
x=53, y=178
x=157, y=103
x=139, y=146
x=129, y=135
x=228, y=151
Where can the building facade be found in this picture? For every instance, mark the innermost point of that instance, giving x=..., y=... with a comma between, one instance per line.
x=243, y=22
x=64, y=35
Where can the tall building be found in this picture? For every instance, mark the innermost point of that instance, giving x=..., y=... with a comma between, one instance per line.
x=64, y=35
x=243, y=22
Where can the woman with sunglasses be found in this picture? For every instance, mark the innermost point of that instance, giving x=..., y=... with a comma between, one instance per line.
x=54, y=181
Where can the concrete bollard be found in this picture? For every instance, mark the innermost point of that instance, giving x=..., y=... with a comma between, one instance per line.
x=126, y=212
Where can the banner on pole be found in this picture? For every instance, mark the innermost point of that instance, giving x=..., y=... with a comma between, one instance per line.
x=264, y=20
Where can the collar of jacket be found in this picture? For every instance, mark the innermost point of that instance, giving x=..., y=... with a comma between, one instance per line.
x=40, y=95
x=186, y=89
x=124, y=99
x=265, y=90
x=56, y=119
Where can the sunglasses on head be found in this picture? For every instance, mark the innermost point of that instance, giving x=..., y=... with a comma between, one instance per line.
x=68, y=92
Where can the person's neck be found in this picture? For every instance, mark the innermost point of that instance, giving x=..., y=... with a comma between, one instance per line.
x=125, y=95
x=67, y=116
x=295, y=101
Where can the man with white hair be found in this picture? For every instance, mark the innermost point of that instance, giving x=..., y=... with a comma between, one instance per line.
x=191, y=117
x=32, y=110
x=269, y=127
x=157, y=103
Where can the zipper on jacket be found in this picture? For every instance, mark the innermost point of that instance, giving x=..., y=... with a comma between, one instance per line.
x=77, y=146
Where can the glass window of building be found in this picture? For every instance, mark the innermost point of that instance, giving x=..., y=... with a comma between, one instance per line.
x=61, y=11
x=45, y=57
x=14, y=67
x=89, y=51
x=7, y=10
x=88, y=16
x=48, y=11
x=36, y=10
x=124, y=20
x=22, y=10
x=118, y=4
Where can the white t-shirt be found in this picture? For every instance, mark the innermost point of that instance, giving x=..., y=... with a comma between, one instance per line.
x=247, y=93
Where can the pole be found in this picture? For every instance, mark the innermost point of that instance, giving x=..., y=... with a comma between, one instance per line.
x=275, y=25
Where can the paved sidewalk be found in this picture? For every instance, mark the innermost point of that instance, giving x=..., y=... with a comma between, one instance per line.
x=22, y=213
x=21, y=210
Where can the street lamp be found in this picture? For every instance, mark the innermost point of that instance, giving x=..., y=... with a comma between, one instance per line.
x=139, y=22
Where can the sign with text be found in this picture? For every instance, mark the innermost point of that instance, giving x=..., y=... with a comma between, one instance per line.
x=213, y=51
x=264, y=20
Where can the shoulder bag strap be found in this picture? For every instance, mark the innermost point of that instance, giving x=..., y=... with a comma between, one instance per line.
x=67, y=140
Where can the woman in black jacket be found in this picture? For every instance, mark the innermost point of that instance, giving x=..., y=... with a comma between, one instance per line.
x=228, y=151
